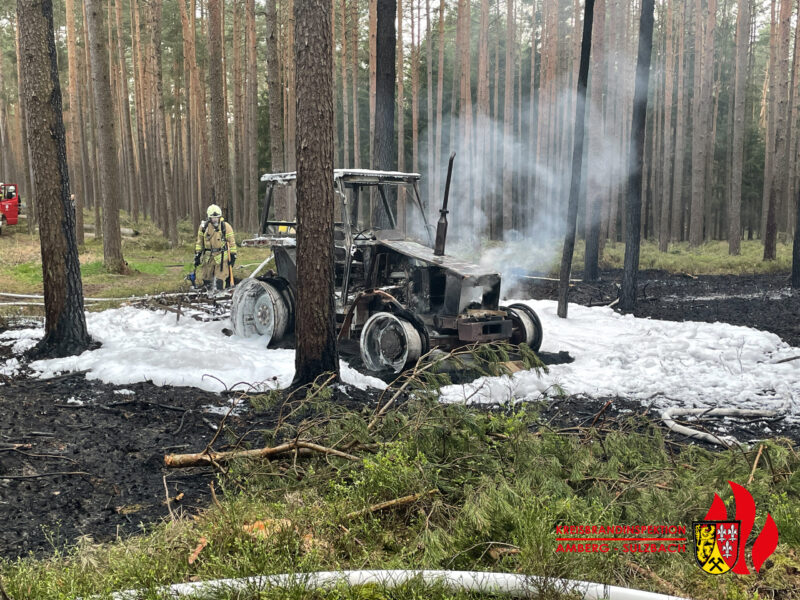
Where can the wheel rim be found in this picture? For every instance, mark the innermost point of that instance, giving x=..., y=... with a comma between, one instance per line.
x=528, y=327
x=259, y=310
x=389, y=342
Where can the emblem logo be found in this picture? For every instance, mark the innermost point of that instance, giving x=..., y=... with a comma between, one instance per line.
x=716, y=545
x=719, y=539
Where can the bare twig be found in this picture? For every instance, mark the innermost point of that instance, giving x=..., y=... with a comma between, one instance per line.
x=40, y=475
x=647, y=572
x=391, y=504
x=755, y=464
x=169, y=500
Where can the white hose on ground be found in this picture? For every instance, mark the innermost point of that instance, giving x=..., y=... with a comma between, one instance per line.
x=505, y=584
x=261, y=266
x=668, y=417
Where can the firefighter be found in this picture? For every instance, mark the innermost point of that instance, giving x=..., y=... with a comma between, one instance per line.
x=215, y=249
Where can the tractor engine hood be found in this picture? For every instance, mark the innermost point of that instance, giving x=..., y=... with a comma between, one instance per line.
x=466, y=282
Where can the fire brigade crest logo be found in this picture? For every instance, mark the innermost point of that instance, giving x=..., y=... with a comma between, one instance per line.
x=716, y=545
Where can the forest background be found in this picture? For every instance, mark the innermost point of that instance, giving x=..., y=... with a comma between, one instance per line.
x=493, y=81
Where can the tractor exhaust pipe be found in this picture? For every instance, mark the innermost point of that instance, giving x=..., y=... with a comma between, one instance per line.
x=441, y=226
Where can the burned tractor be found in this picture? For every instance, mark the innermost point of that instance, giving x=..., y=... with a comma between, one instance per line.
x=396, y=294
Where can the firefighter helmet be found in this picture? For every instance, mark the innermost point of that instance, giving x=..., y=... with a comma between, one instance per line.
x=214, y=211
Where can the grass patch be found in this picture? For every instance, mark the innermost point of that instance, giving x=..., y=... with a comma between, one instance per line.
x=502, y=480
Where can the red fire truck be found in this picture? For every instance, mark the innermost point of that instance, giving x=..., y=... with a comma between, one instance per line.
x=9, y=204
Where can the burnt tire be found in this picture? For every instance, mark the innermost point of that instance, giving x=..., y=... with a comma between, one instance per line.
x=262, y=308
x=527, y=326
x=389, y=343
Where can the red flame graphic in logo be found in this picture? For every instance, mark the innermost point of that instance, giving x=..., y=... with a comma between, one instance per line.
x=767, y=540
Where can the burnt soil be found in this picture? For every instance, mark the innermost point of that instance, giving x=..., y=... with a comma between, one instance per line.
x=83, y=458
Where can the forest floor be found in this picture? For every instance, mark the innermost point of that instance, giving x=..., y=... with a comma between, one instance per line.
x=84, y=458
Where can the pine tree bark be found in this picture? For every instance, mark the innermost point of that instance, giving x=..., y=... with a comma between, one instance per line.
x=27, y=176
x=354, y=79
x=508, y=120
x=238, y=172
x=665, y=190
x=383, y=140
x=373, y=62
x=735, y=203
x=219, y=121
x=439, y=103
x=577, y=159
x=701, y=110
x=596, y=171
x=429, y=125
x=127, y=136
x=676, y=229
x=65, y=322
x=251, y=103
x=781, y=165
x=345, y=91
x=275, y=106
x=482, y=139
x=171, y=221
x=108, y=166
x=74, y=120
x=627, y=300
x=315, y=328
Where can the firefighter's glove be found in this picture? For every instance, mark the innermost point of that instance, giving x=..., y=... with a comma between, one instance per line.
x=197, y=256
x=232, y=260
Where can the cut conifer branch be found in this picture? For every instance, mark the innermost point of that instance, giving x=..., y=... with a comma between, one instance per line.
x=211, y=458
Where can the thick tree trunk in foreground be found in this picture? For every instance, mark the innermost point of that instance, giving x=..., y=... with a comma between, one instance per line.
x=219, y=120
x=634, y=206
x=65, y=323
x=577, y=160
x=108, y=166
x=315, y=328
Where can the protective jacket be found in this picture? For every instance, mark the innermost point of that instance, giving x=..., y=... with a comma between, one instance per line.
x=216, y=244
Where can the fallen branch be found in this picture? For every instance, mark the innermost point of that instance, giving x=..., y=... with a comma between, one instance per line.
x=391, y=504
x=755, y=464
x=726, y=441
x=647, y=572
x=209, y=458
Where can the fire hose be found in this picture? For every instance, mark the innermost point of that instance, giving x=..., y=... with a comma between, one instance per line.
x=504, y=584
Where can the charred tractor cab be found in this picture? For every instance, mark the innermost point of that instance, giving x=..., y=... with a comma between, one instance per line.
x=9, y=205
x=396, y=294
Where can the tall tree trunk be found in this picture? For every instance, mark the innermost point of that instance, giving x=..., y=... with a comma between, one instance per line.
x=770, y=85
x=315, y=330
x=596, y=186
x=508, y=119
x=251, y=114
x=373, y=62
x=429, y=127
x=665, y=191
x=275, y=107
x=65, y=322
x=701, y=111
x=401, y=112
x=735, y=205
x=633, y=210
x=219, y=121
x=170, y=223
x=238, y=173
x=384, y=144
x=439, y=102
x=577, y=160
x=482, y=138
x=781, y=165
x=127, y=136
x=354, y=79
x=676, y=231
x=345, y=91
x=74, y=120
x=27, y=177
x=415, y=46
x=106, y=140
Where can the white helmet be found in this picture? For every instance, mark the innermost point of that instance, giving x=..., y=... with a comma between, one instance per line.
x=214, y=211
